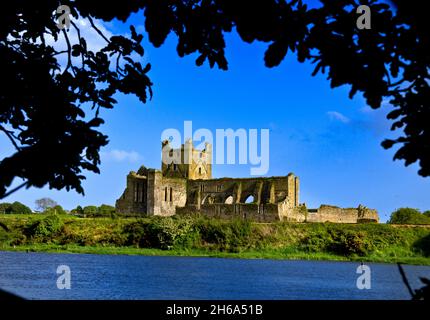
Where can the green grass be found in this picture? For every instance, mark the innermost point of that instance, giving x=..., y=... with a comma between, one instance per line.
x=200, y=237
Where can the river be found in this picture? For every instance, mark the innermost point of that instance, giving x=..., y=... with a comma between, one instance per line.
x=34, y=276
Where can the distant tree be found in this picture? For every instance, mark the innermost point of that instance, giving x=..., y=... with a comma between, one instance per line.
x=55, y=210
x=427, y=213
x=90, y=210
x=77, y=210
x=106, y=210
x=4, y=207
x=408, y=216
x=44, y=203
x=18, y=208
x=44, y=106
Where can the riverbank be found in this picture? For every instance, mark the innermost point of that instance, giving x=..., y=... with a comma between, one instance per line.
x=201, y=237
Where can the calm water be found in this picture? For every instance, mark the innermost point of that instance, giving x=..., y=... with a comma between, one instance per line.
x=33, y=276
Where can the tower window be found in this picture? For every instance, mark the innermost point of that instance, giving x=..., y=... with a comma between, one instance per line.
x=175, y=167
x=136, y=192
x=200, y=171
x=165, y=194
x=171, y=194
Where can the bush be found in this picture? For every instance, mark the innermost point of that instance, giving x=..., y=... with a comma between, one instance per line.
x=232, y=235
x=314, y=243
x=46, y=227
x=136, y=233
x=423, y=246
x=348, y=242
x=161, y=232
x=408, y=216
x=164, y=232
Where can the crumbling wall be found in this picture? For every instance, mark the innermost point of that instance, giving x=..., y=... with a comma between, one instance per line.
x=328, y=213
x=133, y=200
x=247, y=211
x=173, y=193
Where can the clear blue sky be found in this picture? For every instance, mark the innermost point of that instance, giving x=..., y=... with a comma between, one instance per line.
x=331, y=142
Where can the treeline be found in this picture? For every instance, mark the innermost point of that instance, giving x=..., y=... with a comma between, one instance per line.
x=93, y=211
x=48, y=206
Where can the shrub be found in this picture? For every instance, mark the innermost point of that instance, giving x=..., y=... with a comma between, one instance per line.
x=213, y=231
x=232, y=235
x=408, y=216
x=349, y=242
x=314, y=243
x=423, y=245
x=160, y=232
x=164, y=232
x=135, y=233
x=46, y=227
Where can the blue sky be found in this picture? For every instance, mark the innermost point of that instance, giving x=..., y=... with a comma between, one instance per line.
x=331, y=142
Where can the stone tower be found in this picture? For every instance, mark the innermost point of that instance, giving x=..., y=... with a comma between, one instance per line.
x=186, y=161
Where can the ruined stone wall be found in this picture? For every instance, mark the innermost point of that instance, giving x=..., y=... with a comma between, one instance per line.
x=292, y=213
x=133, y=200
x=173, y=193
x=327, y=213
x=247, y=211
x=241, y=190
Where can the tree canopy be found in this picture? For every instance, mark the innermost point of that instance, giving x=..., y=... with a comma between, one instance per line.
x=408, y=216
x=45, y=203
x=46, y=108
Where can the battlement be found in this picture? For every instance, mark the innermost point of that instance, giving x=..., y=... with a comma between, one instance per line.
x=186, y=162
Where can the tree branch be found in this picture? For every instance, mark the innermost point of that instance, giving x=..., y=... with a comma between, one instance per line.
x=79, y=39
x=405, y=280
x=69, y=52
x=97, y=29
x=11, y=137
x=14, y=190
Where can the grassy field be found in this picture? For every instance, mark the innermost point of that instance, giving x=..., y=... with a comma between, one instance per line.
x=197, y=236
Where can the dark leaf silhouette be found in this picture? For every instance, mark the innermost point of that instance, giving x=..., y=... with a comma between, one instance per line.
x=42, y=104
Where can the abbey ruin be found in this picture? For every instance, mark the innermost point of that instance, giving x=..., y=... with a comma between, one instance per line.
x=186, y=186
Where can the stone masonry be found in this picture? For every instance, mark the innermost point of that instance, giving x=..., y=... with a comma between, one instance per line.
x=187, y=186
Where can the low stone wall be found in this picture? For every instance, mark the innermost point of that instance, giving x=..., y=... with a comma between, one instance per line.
x=327, y=213
x=248, y=211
